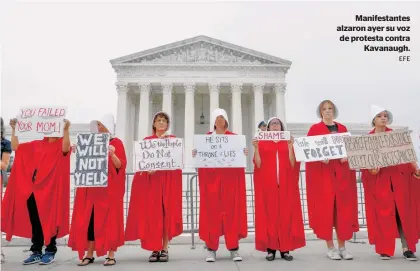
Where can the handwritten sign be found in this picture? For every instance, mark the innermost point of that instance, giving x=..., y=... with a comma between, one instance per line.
x=273, y=135
x=319, y=148
x=92, y=160
x=219, y=151
x=380, y=150
x=415, y=137
x=159, y=154
x=41, y=121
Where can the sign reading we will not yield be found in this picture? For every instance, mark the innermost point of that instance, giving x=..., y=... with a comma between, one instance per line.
x=92, y=160
x=41, y=121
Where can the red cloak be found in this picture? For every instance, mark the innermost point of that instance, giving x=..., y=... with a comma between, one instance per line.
x=155, y=207
x=278, y=210
x=414, y=187
x=51, y=190
x=329, y=185
x=222, y=205
x=386, y=193
x=108, y=205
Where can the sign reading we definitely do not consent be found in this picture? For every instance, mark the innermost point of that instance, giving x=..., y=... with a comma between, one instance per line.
x=92, y=160
x=319, y=148
x=158, y=154
x=380, y=150
x=41, y=121
x=219, y=151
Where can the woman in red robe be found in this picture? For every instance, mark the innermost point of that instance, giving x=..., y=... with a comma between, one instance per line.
x=222, y=200
x=387, y=200
x=331, y=190
x=36, y=204
x=278, y=210
x=155, y=211
x=98, y=213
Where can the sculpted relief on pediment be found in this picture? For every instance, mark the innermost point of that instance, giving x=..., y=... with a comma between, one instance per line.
x=200, y=53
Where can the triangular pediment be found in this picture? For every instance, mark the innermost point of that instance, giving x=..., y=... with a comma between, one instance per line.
x=200, y=50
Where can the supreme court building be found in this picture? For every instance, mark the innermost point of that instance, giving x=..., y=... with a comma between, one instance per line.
x=188, y=79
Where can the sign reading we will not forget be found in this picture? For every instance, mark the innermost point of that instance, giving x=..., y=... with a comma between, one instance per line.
x=319, y=148
x=219, y=151
x=92, y=160
x=380, y=150
x=41, y=121
x=158, y=154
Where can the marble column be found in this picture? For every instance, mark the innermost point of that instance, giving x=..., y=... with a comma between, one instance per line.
x=121, y=125
x=258, y=104
x=167, y=101
x=236, y=108
x=189, y=124
x=173, y=124
x=144, y=116
x=280, y=90
x=214, y=91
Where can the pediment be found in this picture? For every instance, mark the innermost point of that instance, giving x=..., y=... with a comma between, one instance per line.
x=200, y=50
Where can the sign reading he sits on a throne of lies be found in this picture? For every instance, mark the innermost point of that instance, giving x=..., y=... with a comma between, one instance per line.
x=219, y=151
x=92, y=160
x=158, y=154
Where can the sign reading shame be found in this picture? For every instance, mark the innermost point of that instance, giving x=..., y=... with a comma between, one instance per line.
x=380, y=150
x=92, y=160
x=273, y=135
x=319, y=148
x=158, y=154
x=219, y=151
x=41, y=121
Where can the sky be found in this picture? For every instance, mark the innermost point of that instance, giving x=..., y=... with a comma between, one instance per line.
x=58, y=54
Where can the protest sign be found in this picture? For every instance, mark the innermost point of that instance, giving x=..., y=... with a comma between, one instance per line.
x=273, y=135
x=380, y=150
x=92, y=160
x=415, y=137
x=159, y=154
x=40, y=121
x=319, y=148
x=219, y=151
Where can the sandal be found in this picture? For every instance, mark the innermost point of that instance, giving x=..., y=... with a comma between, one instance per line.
x=154, y=257
x=164, y=257
x=271, y=255
x=108, y=260
x=84, y=263
x=2, y=258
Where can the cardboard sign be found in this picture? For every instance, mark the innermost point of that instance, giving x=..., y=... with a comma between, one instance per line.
x=92, y=160
x=41, y=122
x=158, y=154
x=273, y=135
x=320, y=148
x=415, y=137
x=380, y=150
x=219, y=151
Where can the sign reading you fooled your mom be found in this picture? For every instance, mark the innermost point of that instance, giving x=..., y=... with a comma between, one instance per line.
x=319, y=148
x=41, y=121
x=219, y=151
x=380, y=150
x=92, y=160
x=158, y=154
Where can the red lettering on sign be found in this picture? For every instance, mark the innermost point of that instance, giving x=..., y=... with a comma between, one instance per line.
x=27, y=113
x=24, y=126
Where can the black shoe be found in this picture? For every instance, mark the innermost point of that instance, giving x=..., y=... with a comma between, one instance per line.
x=271, y=255
x=385, y=257
x=409, y=255
x=154, y=257
x=285, y=255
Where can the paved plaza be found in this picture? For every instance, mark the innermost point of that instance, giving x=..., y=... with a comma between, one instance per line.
x=183, y=258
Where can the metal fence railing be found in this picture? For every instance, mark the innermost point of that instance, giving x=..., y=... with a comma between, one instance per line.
x=191, y=201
